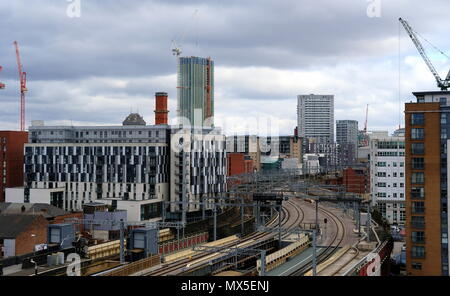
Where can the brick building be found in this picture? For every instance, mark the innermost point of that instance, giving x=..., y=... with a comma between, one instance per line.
x=238, y=163
x=11, y=159
x=20, y=233
x=427, y=125
x=356, y=180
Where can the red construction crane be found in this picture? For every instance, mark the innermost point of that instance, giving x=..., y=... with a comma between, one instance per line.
x=23, y=87
x=2, y=85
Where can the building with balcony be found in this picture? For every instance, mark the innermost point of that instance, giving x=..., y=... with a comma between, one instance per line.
x=427, y=129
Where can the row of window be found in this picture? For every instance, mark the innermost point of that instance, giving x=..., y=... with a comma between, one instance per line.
x=395, y=195
x=384, y=164
x=394, y=175
x=383, y=184
x=390, y=153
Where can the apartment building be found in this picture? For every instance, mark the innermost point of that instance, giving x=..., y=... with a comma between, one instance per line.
x=387, y=176
x=427, y=129
x=133, y=167
x=316, y=118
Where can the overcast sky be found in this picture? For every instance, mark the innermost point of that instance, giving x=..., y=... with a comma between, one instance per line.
x=95, y=68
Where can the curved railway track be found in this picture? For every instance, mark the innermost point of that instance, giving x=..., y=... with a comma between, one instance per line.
x=291, y=216
x=334, y=245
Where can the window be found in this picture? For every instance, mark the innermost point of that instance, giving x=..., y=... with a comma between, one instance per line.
x=416, y=265
x=418, y=222
x=417, y=133
x=418, y=192
x=418, y=163
x=381, y=174
x=402, y=164
x=418, y=236
x=401, y=185
x=418, y=207
x=55, y=235
x=418, y=252
x=402, y=175
x=417, y=148
x=381, y=184
x=394, y=175
x=417, y=119
x=443, y=118
x=417, y=178
x=443, y=133
x=381, y=164
x=443, y=101
x=139, y=240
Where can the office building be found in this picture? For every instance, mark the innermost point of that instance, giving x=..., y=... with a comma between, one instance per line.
x=11, y=160
x=347, y=137
x=427, y=128
x=387, y=176
x=195, y=102
x=316, y=118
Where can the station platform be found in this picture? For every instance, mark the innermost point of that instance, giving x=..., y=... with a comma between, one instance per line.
x=295, y=263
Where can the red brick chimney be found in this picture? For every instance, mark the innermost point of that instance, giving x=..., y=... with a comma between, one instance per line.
x=161, y=108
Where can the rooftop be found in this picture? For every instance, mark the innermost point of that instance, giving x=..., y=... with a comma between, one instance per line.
x=11, y=225
x=134, y=119
x=48, y=211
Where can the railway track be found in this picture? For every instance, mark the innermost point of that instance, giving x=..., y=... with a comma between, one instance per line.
x=334, y=245
x=292, y=216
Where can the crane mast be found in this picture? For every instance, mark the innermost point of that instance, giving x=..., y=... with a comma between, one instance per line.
x=442, y=84
x=23, y=86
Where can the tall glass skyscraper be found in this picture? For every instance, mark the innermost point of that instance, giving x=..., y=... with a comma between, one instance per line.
x=195, y=102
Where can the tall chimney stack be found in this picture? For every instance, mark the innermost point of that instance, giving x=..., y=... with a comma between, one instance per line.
x=161, y=108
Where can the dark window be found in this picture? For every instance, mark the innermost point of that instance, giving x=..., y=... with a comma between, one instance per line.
x=418, y=252
x=418, y=163
x=417, y=178
x=418, y=192
x=418, y=207
x=417, y=119
x=418, y=222
x=417, y=133
x=416, y=265
x=418, y=236
x=417, y=148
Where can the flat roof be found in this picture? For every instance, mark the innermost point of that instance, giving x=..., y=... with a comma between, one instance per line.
x=434, y=92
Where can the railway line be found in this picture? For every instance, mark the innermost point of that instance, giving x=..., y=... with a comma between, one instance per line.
x=292, y=216
x=331, y=247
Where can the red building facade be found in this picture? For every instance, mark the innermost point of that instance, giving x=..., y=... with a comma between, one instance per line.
x=11, y=159
x=356, y=180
